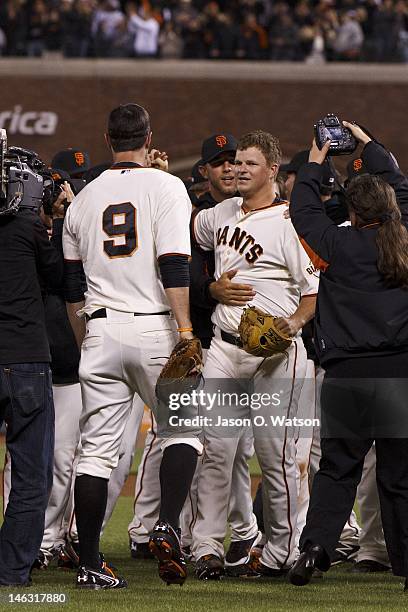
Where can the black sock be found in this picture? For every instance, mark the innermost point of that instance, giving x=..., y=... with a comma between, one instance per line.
x=176, y=474
x=91, y=494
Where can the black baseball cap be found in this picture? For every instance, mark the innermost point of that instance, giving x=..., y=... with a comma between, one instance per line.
x=73, y=161
x=302, y=157
x=59, y=175
x=196, y=176
x=356, y=167
x=297, y=161
x=217, y=144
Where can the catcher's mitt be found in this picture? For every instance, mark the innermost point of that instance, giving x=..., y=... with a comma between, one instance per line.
x=182, y=372
x=259, y=335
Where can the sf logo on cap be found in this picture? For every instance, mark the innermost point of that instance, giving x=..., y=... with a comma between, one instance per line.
x=79, y=158
x=221, y=141
x=357, y=165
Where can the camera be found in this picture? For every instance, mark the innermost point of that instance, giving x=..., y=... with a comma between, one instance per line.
x=26, y=182
x=330, y=128
x=24, y=179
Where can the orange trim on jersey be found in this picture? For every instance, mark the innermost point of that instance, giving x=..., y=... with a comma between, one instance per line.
x=278, y=203
x=309, y=295
x=174, y=254
x=73, y=260
x=317, y=261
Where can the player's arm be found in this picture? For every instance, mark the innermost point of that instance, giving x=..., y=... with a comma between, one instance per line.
x=202, y=228
x=303, y=314
x=200, y=280
x=319, y=235
x=171, y=232
x=73, y=280
x=306, y=278
x=78, y=325
x=48, y=258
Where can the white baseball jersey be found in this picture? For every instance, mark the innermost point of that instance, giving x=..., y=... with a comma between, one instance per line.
x=119, y=226
x=265, y=249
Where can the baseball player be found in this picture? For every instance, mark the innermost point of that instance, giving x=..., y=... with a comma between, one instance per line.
x=129, y=229
x=217, y=166
x=250, y=236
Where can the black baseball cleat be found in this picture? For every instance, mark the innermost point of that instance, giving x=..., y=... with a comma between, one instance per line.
x=239, y=551
x=40, y=563
x=260, y=570
x=345, y=554
x=165, y=545
x=104, y=578
x=140, y=550
x=315, y=557
x=68, y=557
x=209, y=567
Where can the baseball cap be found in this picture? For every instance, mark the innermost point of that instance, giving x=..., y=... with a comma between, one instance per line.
x=59, y=175
x=216, y=144
x=302, y=157
x=297, y=161
x=73, y=161
x=356, y=167
x=328, y=176
x=196, y=176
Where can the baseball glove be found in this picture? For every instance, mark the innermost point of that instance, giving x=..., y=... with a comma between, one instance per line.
x=259, y=335
x=182, y=372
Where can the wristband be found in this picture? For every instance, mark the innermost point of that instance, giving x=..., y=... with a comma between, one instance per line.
x=184, y=329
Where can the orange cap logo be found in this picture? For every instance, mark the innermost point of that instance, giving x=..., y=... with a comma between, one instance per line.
x=221, y=141
x=357, y=165
x=79, y=159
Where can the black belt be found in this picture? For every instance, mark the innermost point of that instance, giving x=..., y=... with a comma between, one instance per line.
x=101, y=314
x=231, y=339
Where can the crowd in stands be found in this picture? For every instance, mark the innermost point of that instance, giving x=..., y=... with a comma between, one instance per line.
x=289, y=30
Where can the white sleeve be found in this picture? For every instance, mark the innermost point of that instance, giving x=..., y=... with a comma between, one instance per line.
x=69, y=239
x=203, y=228
x=171, y=225
x=299, y=264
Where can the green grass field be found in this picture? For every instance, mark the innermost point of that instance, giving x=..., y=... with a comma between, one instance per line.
x=337, y=591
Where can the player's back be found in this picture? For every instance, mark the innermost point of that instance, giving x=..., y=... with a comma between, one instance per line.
x=119, y=226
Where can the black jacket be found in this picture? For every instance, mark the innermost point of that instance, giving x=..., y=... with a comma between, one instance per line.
x=357, y=314
x=63, y=347
x=26, y=257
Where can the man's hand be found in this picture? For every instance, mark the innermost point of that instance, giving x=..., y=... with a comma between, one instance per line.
x=357, y=132
x=288, y=326
x=158, y=159
x=229, y=293
x=304, y=312
x=316, y=155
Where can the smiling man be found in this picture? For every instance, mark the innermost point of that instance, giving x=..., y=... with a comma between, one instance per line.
x=250, y=236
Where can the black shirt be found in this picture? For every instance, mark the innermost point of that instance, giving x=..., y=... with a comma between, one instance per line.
x=202, y=268
x=25, y=255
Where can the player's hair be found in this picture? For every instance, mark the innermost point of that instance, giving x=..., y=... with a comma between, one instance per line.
x=128, y=127
x=374, y=201
x=268, y=145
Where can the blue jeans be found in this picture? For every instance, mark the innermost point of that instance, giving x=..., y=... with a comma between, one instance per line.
x=27, y=407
